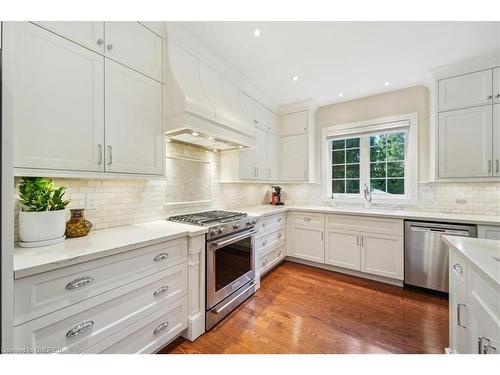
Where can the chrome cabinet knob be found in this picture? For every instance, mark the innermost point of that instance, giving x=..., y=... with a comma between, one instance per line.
x=489, y=97
x=100, y=42
x=109, y=47
x=497, y=96
x=457, y=267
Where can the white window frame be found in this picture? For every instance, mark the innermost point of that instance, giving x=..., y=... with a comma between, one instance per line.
x=406, y=122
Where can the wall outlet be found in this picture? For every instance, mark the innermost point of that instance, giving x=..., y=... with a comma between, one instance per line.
x=91, y=202
x=460, y=198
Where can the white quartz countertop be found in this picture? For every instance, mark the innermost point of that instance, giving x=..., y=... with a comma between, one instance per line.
x=98, y=244
x=265, y=210
x=480, y=252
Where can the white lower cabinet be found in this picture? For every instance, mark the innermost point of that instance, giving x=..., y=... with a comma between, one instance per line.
x=382, y=255
x=306, y=242
x=360, y=243
x=342, y=248
x=101, y=306
x=269, y=242
x=474, y=305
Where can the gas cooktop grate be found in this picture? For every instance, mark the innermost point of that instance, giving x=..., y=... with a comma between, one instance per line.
x=203, y=218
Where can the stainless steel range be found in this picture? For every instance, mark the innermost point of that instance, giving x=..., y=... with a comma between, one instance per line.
x=230, y=260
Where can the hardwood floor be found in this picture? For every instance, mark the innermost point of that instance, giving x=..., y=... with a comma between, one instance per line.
x=301, y=309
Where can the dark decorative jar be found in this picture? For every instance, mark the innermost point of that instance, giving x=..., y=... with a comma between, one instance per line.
x=77, y=225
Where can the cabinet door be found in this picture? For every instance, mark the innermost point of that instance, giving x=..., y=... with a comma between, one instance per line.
x=294, y=123
x=294, y=155
x=466, y=90
x=57, y=100
x=496, y=84
x=260, y=116
x=133, y=45
x=274, y=157
x=496, y=139
x=488, y=232
x=248, y=107
x=247, y=168
x=481, y=326
x=260, y=154
x=89, y=34
x=465, y=146
x=134, y=131
x=307, y=243
x=382, y=255
x=342, y=249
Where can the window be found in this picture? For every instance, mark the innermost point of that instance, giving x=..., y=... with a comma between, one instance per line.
x=345, y=166
x=380, y=157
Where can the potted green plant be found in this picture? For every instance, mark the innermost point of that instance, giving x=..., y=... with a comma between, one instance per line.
x=42, y=214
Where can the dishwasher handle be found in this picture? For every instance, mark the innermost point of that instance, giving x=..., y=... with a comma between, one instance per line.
x=444, y=231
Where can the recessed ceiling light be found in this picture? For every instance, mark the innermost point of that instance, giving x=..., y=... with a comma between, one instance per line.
x=341, y=94
x=386, y=83
x=194, y=134
x=168, y=140
x=257, y=32
x=240, y=146
x=214, y=150
x=295, y=78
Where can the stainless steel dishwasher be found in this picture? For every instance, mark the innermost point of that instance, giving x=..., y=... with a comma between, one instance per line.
x=426, y=255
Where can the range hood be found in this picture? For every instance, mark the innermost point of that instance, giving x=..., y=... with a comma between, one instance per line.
x=202, y=107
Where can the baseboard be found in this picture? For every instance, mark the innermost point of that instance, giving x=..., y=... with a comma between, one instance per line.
x=346, y=271
x=196, y=327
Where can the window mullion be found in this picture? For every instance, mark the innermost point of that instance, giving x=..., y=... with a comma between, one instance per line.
x=364, y=160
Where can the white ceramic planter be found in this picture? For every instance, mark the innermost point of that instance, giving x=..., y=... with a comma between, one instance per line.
x=41, y=226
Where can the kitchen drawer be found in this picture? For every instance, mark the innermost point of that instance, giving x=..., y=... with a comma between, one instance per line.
x=269, y=222
x=270, y=260
x=369, y=224
x=308, y=219
x=149, y=334
x=105, y=314
x=270, y=240
x=457, y=270
x=46, y=292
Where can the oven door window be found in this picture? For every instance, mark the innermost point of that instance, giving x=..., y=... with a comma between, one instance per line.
x=232, y=261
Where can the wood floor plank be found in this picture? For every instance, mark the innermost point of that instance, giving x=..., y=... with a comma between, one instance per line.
x=302, y=309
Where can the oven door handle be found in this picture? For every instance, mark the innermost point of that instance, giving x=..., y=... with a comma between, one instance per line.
x=222, y=308
x=234, y=239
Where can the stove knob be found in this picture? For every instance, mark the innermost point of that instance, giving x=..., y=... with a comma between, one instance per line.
x=249, y=223
x=236, y=226
x=221, y=230
x=254, y=221
x=213, y=232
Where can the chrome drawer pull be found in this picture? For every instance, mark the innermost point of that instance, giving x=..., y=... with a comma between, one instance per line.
x=459, y=315
x=307, y=219
x=80, y=328
x=160, y=290
x=264, y=243
x=279, y=219
x=162, y=327
x=78, y=283
x=457, y=267
x=160, y=256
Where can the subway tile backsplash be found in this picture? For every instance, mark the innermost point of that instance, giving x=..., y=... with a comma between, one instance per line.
x=128, y=201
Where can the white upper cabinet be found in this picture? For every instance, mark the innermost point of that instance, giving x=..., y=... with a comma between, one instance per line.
x=184, y=70
x=57, y=90
x=133, y=45
x=211, y=83
x=248, y=108
x=231, y=94
x=89, y=34
x=294, y=123
x=274, y=157
x=134, y=131
x=260, y=155
x=294, y=151
x=496, y=84
x=260, y=116
x=465, y=144
x=466, y=90
x=496, y=139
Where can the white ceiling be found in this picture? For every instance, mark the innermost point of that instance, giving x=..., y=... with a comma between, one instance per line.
x=353, y=58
